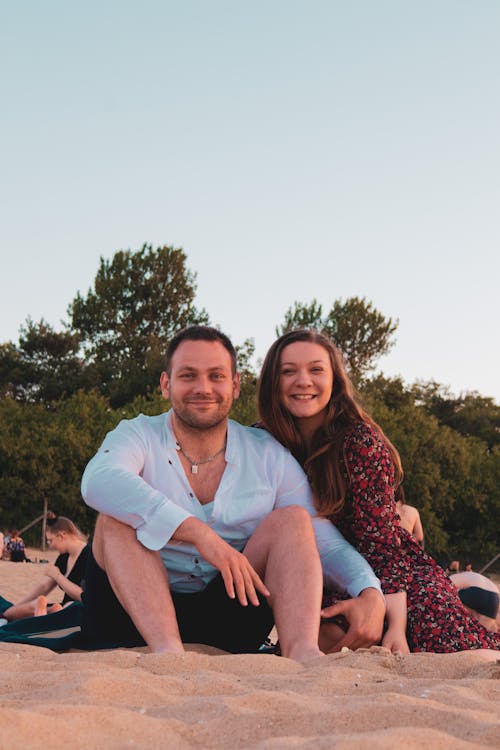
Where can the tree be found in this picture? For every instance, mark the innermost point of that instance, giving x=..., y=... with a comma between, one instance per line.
x=359, y=330
x=451, y=478
x=470, y=414
x=139, y=300
x=245, y=407
x=45, y=366
x=43, y=453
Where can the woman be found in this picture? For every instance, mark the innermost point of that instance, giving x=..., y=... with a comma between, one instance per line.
x=409, y=517
x=67, y=573
x=307, y=402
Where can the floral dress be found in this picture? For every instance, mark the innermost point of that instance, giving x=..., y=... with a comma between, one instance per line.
x=437, y=621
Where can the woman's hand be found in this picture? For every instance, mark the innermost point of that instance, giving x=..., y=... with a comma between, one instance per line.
x=52, y=572
x=395, y=640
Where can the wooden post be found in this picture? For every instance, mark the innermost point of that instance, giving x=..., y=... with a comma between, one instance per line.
x=44, y=522
x=493, y=559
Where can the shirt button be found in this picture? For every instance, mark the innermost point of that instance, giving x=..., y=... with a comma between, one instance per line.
x=196, y=560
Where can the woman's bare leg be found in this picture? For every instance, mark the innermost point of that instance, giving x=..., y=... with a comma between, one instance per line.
x=329, y=635
x=19, y=611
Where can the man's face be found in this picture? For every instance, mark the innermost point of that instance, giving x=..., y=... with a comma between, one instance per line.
x=201, y=386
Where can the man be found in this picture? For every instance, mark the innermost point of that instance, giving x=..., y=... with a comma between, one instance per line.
x=206, y=531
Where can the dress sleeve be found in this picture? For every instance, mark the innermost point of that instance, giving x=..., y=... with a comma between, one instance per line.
x=375, y=524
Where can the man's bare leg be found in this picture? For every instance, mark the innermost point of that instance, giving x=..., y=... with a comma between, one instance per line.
x=283, y=552
x=140, y=582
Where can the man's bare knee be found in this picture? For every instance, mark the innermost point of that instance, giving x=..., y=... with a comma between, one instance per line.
x=292, y=522
x=293, y=517
x=108, y=529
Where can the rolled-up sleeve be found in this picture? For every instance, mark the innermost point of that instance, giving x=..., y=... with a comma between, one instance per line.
x=112, y=484
x=343, y=567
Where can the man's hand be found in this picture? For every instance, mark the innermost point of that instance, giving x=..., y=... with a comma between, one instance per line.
x=365, y=615
x=240, y=579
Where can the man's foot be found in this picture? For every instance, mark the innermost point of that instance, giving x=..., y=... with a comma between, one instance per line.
x=168, y=648
x=303, y=653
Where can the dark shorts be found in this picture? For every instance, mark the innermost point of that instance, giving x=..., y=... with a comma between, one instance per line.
x=481, y=600
x=208, y=617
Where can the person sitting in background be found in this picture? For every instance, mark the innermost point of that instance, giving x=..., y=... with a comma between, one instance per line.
x=453, y=567
x=409, y=517
x=16, y=547
x=5, y=550
x=480, y=596
x=67, y=573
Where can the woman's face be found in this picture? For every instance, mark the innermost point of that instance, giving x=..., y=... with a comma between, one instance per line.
x=56, y=540
x=306, y=382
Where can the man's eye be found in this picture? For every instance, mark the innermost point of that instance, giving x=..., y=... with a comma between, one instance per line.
x=217, y=376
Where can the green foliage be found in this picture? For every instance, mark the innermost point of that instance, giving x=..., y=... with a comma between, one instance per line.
x=245, y=408
x=471, y=414
x=359, y=330
x=451, y=478
x=43, y=453
x=45, y=366
x=140, y=299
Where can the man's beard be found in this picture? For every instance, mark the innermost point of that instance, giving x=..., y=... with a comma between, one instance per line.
x=195, y=420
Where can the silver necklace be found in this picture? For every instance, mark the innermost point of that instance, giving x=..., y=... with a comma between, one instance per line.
x=195, y=464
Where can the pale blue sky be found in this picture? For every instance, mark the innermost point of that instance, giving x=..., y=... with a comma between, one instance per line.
x=293, y=149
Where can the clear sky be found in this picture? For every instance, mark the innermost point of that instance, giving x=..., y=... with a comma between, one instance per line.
x=294, y=150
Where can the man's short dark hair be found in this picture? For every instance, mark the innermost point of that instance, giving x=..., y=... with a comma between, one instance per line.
x=199, y=333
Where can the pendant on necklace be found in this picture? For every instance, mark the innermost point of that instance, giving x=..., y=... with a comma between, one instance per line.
x=194, y=469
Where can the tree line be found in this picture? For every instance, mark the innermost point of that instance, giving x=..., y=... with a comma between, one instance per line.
x=61, y=391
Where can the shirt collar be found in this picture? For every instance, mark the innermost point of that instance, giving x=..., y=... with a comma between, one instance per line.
x=233, y=452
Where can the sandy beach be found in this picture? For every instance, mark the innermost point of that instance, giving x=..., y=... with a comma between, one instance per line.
x=364, y=700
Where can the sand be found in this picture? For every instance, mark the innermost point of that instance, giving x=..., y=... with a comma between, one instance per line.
x=129, y=698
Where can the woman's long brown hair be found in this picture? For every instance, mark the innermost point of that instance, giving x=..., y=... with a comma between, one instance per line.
x=322, y=459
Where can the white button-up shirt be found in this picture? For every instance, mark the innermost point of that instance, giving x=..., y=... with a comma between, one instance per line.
x=137, y=477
